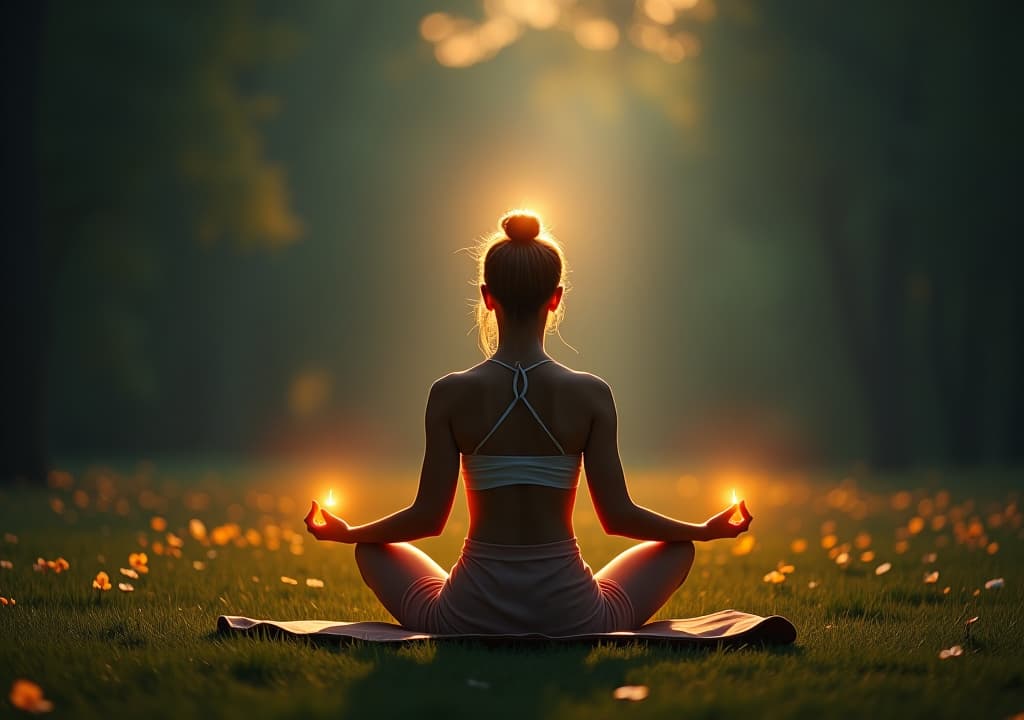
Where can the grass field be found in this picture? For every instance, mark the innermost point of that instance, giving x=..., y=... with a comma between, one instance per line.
x=869, y=644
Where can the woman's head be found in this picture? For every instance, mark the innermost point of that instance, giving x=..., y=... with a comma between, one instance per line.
x=521, y=269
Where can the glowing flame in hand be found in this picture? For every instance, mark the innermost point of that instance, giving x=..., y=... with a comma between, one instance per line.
x=737, y=516
x=331, y=502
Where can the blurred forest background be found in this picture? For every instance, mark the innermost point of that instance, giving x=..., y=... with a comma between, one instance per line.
x=794, y=227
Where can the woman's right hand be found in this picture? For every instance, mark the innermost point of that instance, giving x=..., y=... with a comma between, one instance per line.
x=332, y=528
x=718, y=526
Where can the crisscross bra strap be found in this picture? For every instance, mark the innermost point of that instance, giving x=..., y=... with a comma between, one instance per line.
x=519, y=372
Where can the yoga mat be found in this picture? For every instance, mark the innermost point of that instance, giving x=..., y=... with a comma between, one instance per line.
x=730, y=627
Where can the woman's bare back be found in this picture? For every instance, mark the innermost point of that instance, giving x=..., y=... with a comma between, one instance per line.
x=564, y=400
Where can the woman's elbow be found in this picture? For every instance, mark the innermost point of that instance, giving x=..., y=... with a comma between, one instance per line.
x=431, y=524
x=616, y=522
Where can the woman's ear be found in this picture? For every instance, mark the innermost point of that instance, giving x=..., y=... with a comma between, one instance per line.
x=487, y=297
x=556, y=298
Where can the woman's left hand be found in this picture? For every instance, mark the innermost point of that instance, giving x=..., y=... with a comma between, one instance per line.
x=332, y=528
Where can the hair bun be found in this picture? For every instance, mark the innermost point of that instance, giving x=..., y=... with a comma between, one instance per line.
x=521, y=227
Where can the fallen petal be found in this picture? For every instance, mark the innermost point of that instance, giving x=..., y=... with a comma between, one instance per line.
x=955, y=651
x=26, y=695
x=631, y=692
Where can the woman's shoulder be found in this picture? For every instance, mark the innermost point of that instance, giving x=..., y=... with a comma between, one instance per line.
x=460, y=382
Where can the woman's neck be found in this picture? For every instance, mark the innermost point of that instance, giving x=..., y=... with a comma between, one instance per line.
x=520, y=342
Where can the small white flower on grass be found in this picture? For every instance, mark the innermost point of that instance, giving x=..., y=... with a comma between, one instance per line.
x=813, y=584
x=631, y=692
x=955, y=651
x=995, y=584
x=289, y=580
x=883, y=568
x=478, y=684
x=129, y=573
x=198, y=565
x=6, y=564
x=314, y=583
x=126, y=587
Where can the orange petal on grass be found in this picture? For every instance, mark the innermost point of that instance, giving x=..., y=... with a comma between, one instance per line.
x=995, y=584
x=26, y=695
x=158, y=523
x=883, y=568
x=126, y=587
x=197, y=529
x=798, y=546
x=198, y=565
x=932, y=577
x=631, y=692
x=6, y=564
x=289, y=580
x=774, y=577
x=867, y=556
x=140, y=561
x=955, y=651
x=785, y=568
x=314, y=582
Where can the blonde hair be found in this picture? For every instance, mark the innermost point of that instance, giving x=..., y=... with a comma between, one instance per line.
x=522, y=264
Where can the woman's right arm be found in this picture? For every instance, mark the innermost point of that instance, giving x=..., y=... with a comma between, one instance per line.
x=616, y=511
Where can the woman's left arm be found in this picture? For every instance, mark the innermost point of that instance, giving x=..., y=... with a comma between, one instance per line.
x=439, y=479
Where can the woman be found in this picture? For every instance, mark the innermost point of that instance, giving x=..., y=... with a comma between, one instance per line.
x=523, y=425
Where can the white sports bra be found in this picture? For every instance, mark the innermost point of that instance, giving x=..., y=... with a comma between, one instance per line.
x=483, y=472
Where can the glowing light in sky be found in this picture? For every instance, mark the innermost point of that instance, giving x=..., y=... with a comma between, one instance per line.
x=660, y=11
x=597, y=34
x=460, y=41
x=435, y=27
x=331, y=502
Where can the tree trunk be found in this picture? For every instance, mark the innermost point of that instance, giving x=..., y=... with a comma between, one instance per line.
x=25, y=308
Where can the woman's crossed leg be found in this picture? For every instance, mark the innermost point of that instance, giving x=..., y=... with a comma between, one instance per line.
x=648, y=573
